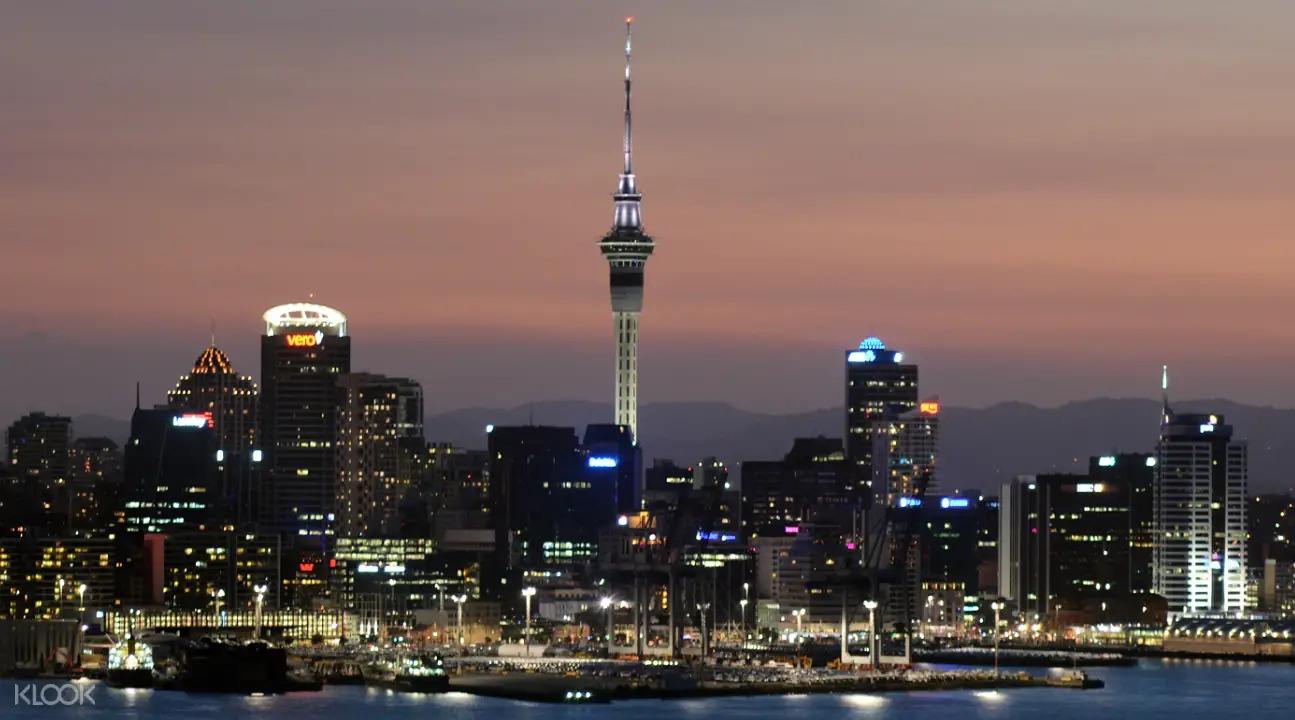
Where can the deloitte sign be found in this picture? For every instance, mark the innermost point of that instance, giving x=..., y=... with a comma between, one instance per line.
x=48, y=694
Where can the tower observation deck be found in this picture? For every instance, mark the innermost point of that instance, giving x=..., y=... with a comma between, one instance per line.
x=627, y=248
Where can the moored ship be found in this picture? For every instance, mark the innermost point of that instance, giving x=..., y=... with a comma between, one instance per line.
x=424, y=673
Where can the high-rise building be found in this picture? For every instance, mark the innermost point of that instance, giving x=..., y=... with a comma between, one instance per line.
x=879, y=388
x=1069, y=538
x=627, y=248
x=380, y=450
x=1199, y=502
x=780, y=494
x=551, y=497
x=906, y=449
x=304, y=350
x=214, y=386
x=38, y=448
x=173, y=467
x=38, y=451
x=96, y=473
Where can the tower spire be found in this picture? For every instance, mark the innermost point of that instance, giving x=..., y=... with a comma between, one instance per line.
x=628, y=219
x=1164, y=394
x=627, y=248
x=629, y=142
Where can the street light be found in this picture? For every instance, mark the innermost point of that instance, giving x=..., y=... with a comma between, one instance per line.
x=997, y=606
x=743, y=603
x=80, y=591
x=798, y=614
x=61, y=583
x=873, y=647
x=528, y=593
x=606, y=605
x=260, y=600
x=219, y=595
x=458, y=625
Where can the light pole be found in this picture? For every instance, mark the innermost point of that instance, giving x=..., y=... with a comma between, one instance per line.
x=606, y=605
x=391, y=610
x=80, y=592
x=219, y=595
x=260, y=601
x=528, y=593
x=458, y=625
x=799, y=615
x=873, y=647
x=61, y=583
x=743, y=603
x=998, y=607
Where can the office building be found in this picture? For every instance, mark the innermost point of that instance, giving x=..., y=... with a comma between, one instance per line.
x=213, y=386
x=1068, y=539
x=96, y=475
x=879, y=388
x=1199, y=503
x=380, y=452
x=304, y=350
x=172, y=473
x=550, y=495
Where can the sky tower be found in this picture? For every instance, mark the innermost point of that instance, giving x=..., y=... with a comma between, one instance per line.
x=627, y=248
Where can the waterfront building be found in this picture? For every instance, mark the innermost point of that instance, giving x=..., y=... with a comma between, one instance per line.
x=51, y=577
x=380, y=452
x=1070, y=539
x=304, y=350
x=627, y=247
x=1199, y=557
x=201, y=568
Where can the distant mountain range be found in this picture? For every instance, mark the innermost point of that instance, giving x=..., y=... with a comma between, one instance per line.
x=979, y=447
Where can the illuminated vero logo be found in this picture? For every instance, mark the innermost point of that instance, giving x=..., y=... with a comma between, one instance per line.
x=305, y=339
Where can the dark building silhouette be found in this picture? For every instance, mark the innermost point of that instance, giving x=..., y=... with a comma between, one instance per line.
x=172, y=471
x=1066, y=539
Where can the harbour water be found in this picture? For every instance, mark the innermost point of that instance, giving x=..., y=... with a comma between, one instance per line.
x=1181, y=690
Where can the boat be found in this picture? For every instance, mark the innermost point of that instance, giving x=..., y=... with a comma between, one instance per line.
x=215, y=666
x=1077, y=679
x=421, y=673
x=130, y=664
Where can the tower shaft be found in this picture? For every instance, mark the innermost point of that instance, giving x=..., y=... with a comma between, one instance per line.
x=625, y=325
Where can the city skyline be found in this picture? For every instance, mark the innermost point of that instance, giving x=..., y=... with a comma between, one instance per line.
x=268, y=159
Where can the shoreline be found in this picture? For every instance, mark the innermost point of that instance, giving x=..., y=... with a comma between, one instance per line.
x=545, y=688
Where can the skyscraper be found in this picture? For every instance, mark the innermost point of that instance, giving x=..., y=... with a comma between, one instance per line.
x=304, y=350
x=214, y=386
x=379, y=451
x=627, y=248
x=879, y=388
x=1199, y=501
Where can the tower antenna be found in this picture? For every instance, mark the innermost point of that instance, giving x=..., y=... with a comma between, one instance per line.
x=629, y=142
